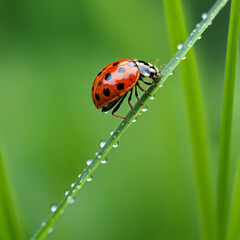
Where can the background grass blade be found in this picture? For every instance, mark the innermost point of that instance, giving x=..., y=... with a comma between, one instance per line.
x=53, y=217
x=233, y=231
x=201, y=156
x=227, y=114
x=10, y=228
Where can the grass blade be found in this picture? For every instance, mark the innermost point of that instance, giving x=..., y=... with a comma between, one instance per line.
x=227, y=113
x=201, y=156
x=10, y=228
x=53, y=217
x=234, y=219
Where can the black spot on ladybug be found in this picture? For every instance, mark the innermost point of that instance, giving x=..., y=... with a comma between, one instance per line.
x=99, y=73
x=131, y=64
x=121, y=70
x=97, y=96
x=120, y=86
x=106, y=91
x=116, y=63
x=108, y=76
x=100, y=82
x=92, y=88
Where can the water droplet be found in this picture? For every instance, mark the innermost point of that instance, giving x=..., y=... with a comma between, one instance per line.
x=43, y=224
x=191, y=33
x=116, y=144
x=183, y=58
x=204, y=16
x=70, y=200
x=177, y=58
x=104, y=161
x=102, y=143
x=98, y=156
x=90, y=179
x=179, y=46
x=198, y=25
x=210, y=23
x=89, y=161
x=72, y=185
x=111, y=133
x=199, y=37
x=145, y=108
x=79, y=175
x=105, y=112
x=134, y=120
x=152, y=97
x=53, y=207
x=66, y=193
x=96, y=153
x=194, y=30
x=50, y=230
x=161, y=85
x=171, y=73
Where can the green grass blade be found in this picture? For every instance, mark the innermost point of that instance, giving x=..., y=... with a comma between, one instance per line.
x=225, y=140
x=10, y=228
x=173, y=63
x=234, y=216
x=201, y=156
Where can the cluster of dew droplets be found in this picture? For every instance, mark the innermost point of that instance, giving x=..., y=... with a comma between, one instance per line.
x=179, y=46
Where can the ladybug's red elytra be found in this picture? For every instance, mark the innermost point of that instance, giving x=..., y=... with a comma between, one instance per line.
x=113, y=83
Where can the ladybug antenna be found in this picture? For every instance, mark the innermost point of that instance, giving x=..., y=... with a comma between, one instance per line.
x=161, y=67
x=156, y=61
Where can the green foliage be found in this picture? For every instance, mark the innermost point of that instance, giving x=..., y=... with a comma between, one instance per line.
x=50, y=53
x=196, y=118
x=10, y=228
x=227, y=116
x=199, y=137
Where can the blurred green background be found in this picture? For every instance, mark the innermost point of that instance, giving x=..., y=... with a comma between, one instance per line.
x=50, y=54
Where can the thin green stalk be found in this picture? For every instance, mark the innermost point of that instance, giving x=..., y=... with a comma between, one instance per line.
x=227, y=113
x=201, y=156
x=47, y=225
x=234, y=216
x=10, y=228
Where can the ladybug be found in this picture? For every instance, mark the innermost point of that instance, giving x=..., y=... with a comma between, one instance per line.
x=113, y=83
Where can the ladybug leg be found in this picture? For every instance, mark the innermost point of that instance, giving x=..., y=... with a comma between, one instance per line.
x=129, y=101
x=136, y=94
x=147, y=82
x=117, y=107
x=160, y=75
x=143, y=89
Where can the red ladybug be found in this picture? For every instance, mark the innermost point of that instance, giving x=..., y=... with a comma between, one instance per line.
x=113, y=83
